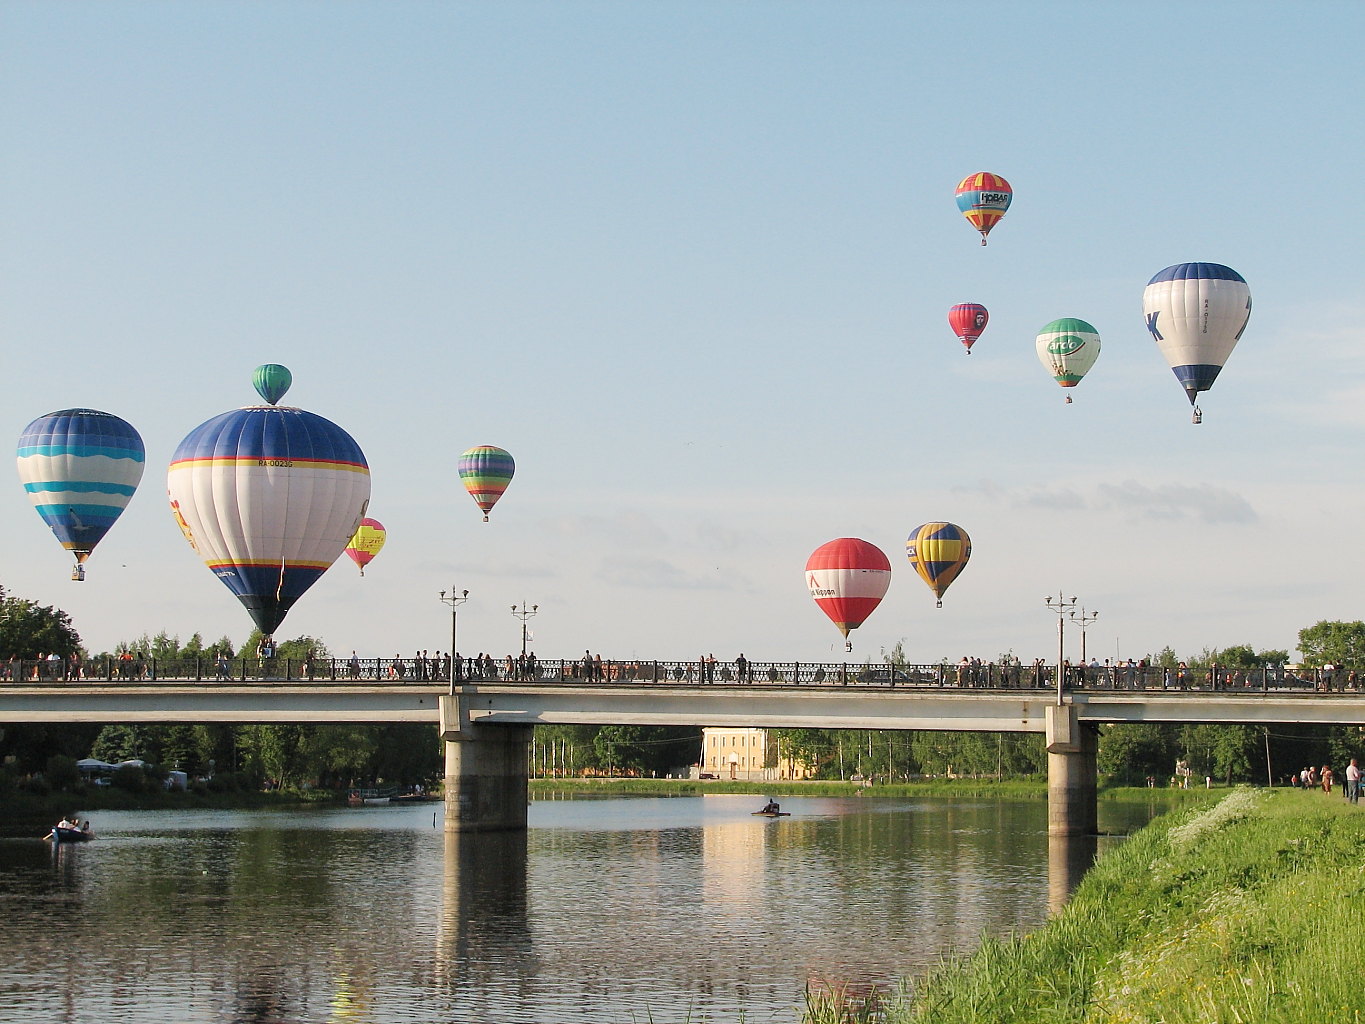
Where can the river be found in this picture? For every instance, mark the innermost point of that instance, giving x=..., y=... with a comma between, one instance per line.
x=623, y=910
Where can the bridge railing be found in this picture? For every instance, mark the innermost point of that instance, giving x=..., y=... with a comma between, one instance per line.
x=1012, y=676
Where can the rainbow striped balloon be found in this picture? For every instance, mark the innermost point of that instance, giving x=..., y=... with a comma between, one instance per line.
x=486, y=471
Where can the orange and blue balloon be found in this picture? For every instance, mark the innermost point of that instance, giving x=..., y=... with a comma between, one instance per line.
x=983, y=199
x=80, y=468
x=968, y=320
x=486, y=471
x=368, y=539
x=939, y=553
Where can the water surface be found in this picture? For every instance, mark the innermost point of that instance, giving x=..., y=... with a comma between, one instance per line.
x=624, y=909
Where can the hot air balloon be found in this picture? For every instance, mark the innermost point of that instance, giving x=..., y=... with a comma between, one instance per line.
x=968, y=320
x=1068, y=348
x=268, y=497
x=368, y=539
x=983, y=199
x=1197, y=313
x=271, y=381
x=848, y=579
x=80, y=468
x=939, y=552
x=486, y=472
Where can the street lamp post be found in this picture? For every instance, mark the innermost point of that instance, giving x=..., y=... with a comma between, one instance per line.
x=523, y=613
x=1083, y=620
x=456, y=598
x=1062, y=607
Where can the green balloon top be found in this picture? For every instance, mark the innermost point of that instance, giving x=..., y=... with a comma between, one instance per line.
x=272, y=380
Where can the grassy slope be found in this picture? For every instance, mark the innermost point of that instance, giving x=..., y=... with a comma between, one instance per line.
x=1251, y=909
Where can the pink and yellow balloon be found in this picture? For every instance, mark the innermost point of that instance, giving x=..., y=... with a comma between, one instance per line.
x=368, y=539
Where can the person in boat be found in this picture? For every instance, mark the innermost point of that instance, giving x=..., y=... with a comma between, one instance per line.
x=771, y=807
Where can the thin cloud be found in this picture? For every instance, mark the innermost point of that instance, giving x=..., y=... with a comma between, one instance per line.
x=1214, y=505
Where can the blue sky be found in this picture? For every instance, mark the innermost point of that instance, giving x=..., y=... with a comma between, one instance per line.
x=691, y=263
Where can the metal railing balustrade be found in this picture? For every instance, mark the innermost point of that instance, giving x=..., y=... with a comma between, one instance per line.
x=419, y=671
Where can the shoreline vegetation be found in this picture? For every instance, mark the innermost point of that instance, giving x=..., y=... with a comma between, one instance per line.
x=1249, y=908
x=22, y=812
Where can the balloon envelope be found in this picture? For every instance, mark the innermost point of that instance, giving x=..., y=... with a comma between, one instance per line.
x=1197, y=313
x=80, y=468
x=1068, y=349
x=939, y=552
x=983, y=199
x=848, y=578
x=268, y=497
x=369, y=538
x=272, y=381
x=486, y=471
x=968, y=320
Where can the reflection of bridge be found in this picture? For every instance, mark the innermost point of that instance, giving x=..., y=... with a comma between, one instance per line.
x=486, y=722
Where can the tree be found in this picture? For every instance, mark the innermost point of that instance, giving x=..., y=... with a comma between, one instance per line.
x=1129, y=753
x=1335, y=643
x=29, y=630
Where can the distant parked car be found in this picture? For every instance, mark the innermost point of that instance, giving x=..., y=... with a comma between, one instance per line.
x=708, y=775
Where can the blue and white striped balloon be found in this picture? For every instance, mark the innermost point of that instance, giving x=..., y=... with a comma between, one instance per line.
x=80, y=468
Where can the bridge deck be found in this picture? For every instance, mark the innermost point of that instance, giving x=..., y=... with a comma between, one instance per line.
x=578, y=702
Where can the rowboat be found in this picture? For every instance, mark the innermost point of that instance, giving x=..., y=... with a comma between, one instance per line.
x=69, y=835
x=771, y=814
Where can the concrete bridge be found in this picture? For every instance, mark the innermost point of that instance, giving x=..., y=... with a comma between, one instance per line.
x=486, y=724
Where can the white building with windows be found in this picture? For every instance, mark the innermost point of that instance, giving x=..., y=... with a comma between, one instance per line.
x=748, y=754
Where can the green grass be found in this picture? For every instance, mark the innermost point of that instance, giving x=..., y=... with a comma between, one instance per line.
x=1247, y=910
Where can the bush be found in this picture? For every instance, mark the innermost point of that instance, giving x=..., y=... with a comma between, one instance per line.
x=134, y=779
x=62, y=773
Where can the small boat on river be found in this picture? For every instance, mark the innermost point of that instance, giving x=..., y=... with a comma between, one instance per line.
x=370, y=797
x=772, y=814
x=70, y=834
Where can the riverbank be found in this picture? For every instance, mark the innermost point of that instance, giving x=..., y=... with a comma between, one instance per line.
x=966, y=789
x=1247, y=909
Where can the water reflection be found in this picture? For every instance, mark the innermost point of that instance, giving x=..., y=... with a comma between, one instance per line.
x=607, y=911
x=1068, y=859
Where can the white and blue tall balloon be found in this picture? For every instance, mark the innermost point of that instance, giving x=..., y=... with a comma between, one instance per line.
x=1197, y=313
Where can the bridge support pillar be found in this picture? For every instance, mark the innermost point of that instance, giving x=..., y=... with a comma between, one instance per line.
x=1072, y=778
x=486, y=772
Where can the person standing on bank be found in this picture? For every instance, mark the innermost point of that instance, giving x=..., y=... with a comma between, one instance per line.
x=1353, y=781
